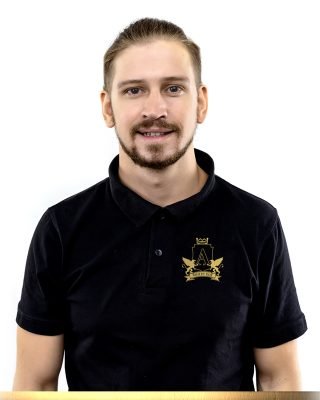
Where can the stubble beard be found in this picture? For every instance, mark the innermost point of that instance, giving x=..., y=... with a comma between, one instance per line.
x=157, y=160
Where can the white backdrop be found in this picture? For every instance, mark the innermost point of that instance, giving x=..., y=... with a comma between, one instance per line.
x=261, y=64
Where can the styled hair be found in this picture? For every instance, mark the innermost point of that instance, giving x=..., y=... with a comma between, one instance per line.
x=145, y=30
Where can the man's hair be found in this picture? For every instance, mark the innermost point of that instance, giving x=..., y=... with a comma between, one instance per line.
x=146, y=30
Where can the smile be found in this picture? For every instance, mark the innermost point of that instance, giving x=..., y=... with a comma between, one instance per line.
x=154, y=134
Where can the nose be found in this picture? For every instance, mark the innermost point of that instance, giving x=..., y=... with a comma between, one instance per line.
x=154, y=106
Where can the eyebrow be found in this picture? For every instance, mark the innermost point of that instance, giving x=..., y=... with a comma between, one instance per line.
x=181, y=79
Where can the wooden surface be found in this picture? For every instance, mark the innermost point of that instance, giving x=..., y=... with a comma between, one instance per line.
x=160, y=395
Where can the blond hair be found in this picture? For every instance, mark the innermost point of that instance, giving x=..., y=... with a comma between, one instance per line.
x=144, y=30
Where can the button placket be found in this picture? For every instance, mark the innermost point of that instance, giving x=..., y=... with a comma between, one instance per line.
x=158, y=267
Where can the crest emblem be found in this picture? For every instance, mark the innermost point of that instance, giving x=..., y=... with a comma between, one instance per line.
x=202, y=264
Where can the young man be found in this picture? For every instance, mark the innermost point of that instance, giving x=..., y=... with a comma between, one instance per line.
x=162, y=276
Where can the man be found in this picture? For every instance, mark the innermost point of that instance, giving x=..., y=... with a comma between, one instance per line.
x=162, y=276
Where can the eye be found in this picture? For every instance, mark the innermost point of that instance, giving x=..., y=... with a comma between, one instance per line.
x=132, y=91
x=175, y=89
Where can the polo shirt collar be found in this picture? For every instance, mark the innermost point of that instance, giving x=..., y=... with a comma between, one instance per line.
x=139, y=210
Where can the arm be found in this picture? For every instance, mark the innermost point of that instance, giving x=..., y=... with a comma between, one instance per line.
x=278, y=368
x=39, y=360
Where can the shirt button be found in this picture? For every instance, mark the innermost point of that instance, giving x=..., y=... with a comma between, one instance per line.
x=158, y=252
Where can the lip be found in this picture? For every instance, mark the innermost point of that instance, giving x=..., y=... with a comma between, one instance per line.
x=164, y=134
x=155, y=130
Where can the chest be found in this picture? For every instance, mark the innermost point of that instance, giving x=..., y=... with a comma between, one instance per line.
x=194, y=278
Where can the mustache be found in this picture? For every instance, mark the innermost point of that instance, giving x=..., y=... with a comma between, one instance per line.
x=155, y=123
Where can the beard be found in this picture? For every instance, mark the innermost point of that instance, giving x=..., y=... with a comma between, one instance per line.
x=158, y=160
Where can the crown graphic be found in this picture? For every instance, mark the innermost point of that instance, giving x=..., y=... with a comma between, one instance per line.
x=202, y=241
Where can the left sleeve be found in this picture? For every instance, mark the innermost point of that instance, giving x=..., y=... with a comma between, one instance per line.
x=41, y=307
x=277, y=316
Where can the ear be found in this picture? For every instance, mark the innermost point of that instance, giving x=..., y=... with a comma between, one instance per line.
x=107, y=109
x=202, y=104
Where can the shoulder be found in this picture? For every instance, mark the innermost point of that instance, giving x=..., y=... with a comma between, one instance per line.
x=83, y=204
x=242, y=198
x=91, y=194
x=243, y=207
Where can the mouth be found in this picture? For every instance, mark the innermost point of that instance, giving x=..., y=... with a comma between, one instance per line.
x=154, y=134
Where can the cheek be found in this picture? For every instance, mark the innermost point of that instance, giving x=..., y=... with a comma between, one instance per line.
x=185, y=108
x=188, y=116
x=125, y=117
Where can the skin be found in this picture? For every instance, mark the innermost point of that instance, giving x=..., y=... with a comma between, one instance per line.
x=39, y=360
x=163, y=94
x=144, y=88
x=278, y=368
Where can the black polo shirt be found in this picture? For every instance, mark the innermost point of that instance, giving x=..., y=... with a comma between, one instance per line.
x=153, y=298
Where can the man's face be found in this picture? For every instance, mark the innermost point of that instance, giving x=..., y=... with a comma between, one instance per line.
x=154, y=103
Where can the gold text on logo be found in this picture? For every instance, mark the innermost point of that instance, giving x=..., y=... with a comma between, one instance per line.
x=202, y=264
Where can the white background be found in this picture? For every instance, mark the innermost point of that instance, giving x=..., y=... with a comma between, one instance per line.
x=261, y=63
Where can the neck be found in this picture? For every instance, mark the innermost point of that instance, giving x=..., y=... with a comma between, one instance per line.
x=170, y=185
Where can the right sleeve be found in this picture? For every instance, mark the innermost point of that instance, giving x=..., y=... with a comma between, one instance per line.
x=41, y=307
x=278, y=317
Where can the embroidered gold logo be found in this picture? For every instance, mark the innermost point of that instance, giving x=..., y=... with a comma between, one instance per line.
x=202, y=264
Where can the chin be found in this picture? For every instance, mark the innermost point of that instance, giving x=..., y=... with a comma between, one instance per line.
x=158, y=163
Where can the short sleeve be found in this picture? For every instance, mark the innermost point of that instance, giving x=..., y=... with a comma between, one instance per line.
x=277, y=317
x=41, y=307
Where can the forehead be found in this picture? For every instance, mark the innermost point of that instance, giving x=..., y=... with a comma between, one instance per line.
x=153, y=60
